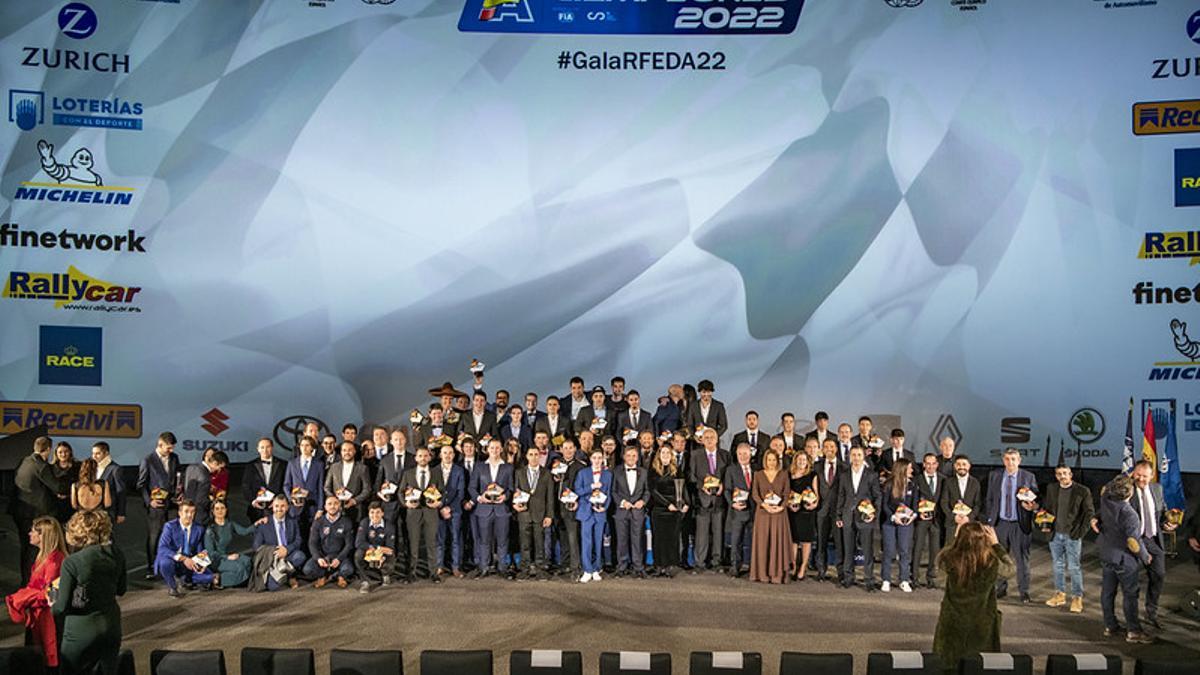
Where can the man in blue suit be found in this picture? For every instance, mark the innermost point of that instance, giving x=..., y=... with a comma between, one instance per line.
x=593, y=516
x=283, y=534
x=454, y=478
x=304, y=484
x=158, y=481
x=180, y=541
x=491, y=507
x=517, y=429
x=1012, y=516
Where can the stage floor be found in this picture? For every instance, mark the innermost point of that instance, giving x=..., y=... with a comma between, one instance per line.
x=701, y=612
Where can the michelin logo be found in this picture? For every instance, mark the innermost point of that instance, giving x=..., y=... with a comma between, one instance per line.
x=79, y=171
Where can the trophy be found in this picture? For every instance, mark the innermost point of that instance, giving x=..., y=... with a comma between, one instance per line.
x=866, y=510
x=1044, y=519
x=432, y=495
x=925, y=509
x=477, y=367
x=298, y=496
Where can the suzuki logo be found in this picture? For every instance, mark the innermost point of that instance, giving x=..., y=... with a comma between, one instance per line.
x=215, y=422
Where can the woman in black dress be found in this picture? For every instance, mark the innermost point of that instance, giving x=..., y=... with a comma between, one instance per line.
x=802, y=511
x=669, y=502
x=65, y=471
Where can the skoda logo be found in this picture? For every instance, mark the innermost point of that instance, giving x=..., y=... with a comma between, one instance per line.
x=1086, y=425
x=289, y=431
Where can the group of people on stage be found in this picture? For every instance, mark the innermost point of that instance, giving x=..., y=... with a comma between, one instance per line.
x=509, y=489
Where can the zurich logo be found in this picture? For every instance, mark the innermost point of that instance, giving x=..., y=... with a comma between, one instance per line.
x=77, y=21
x=1193, y=27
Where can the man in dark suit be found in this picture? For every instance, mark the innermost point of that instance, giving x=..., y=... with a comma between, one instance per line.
x=569, y=465
x=844, y=444
x=283, y=535
x=869, y=441
x=197, y=484
x=304, y=485
x=598, y=410
x=530, y=413
x=450, y=530
x=1070, y=504
x=633, y=417
x=433, y=427
x=533, y=501
x=928, y=528
x=37, y=494
x=158, y=481
x=708, y=465
x=829, y=470
x=423, y=514
x=755, y=438
x=556, y=425
x=668, y=416
x=491, y=508
x=516, y=428
x=347, y=480
x=110, y=472
x=887, y=458
x=1010, y=512
x=618, y=399
x=266, y=475
x=479, y=422
x=859, y=484
x=330, y=547
x=375, y=534
x=792, y=441
x=739, y=518
x=180, y=541
x=1147, y=502
x=575, y=400
x=822, y=431
x=946, y=456
x=386, y=490
x=961, y=492
x=707, y=411
x=1121, y=554
x=631, y=492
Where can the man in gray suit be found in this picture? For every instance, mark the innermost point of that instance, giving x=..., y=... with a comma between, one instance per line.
x=739, y=519
x=631, y=491
x=36, y=494
x=1147, y=503
x=347, y=480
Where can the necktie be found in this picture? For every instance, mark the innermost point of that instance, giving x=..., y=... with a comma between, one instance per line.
x=532, y=480
x=279, y=532
x=305, y=470
x=746, y=472
x=635, y=418
x=712, y=463
x=469, y=465
x=187, y=531
x=1008, y=496
x=753, y=440
x=933, y=485
x=829, y=472
x=422, y=480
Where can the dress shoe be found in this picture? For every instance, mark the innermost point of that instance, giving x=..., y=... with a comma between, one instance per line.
x=437, y=578
x=150, y=576
x=174, y=593
x=1114, y=631
x=1057, y=600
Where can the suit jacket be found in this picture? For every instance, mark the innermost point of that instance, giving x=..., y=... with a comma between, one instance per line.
x=885, y=461
x=391, y=470
x=477, y=485
x=622, y=490
x=645, y=422
x=152, y=476
x=797, y=442
x=171, y=540
x=583, y=489
x=562, y=427
x=717, y=418
x=668, y=417
x=1120, y=523
x=699, y=470
x=331, y=540
x=829, y=433
x=542, y=498
x=37, y=491
x=454, y=488
x=530, y=420
x=762, y=441
x=1160, y=507
x=735, y=478
x=827, y=490
x=1080, y=509
x=972, y=497
x=588, y=414
x=315, y=484
x=487, y=425
x=935, y=495
x=574, y=466
x=424, y=432
x=524, y=436
x=410, y=482
x=264, y=535
x=116, y=487
x=849, y=498
x=995, y=488
x=253, y=480
x=857, y=441
x=359, y=485
x=197, y=486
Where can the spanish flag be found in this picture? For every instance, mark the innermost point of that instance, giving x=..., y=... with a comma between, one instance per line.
x=1149, y=452
x=489, y=8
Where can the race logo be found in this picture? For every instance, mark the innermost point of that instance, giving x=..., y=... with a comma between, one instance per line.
x=77, y=21
x=74, y=181
x=70, y=355
x=1187, y=177
x=71, y=290
x=26, y=109
x=632, y=17
x=1186, y=347
x=1159, y=245
x=1166, y=117
x=103, y=420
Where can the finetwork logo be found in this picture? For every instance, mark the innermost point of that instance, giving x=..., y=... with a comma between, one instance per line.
x=1187, y=176
x=70, y=355
x=1161, y=245
x=1146, y=293
x=11, y=234
x=631, y=17
x=103, y=420
x=27, y=109
x=1154, y=118
x=74, y=182
x=1186, y=347
x=71, y=290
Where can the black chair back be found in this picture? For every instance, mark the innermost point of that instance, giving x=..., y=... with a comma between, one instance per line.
x=797, y=663
x=635, y=663
x=478, y=662
x=263, y=661
x=1163, y=667
x=903, y=663
x=21, y=660
x=725, y=663
x=1092, y=664
x=171, y=662
x=351, y=662
x=545, y=662
x=996, y=664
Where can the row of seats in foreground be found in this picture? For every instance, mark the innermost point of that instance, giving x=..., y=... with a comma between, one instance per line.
x=261, y=661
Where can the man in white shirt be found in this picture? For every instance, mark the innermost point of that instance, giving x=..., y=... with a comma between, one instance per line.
x=859, y=502
x=1147, y=501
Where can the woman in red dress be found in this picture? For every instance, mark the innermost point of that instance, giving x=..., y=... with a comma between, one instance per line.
x=29, y=605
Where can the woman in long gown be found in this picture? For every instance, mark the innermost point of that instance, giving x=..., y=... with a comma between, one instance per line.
x=669, y=503
x=802, y=517
x=230, y=567
x=29, y=605
x=92, y=578
x=770, y=555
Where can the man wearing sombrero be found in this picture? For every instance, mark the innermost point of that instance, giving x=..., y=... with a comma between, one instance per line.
x=436, y=424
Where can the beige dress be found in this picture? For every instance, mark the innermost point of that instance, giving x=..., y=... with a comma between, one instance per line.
x=771, y=552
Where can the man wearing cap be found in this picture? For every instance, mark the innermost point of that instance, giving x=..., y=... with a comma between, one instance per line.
x=598, y=410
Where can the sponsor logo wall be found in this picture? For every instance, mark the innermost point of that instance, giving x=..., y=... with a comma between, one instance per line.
x=229, y=233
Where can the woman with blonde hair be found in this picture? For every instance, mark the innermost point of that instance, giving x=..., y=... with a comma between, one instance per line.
x=89, y=494
x=29, y=606
x=668, y=504
x=802, y=514
x=92, y=578
x=969, y=622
